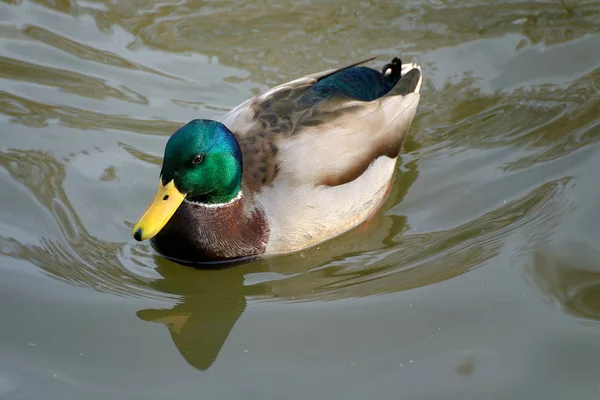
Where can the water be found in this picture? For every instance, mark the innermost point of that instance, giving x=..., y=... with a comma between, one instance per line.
x=480, y=278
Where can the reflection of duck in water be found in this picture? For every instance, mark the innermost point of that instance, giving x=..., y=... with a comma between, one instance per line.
x=211, y=303
x=300, y=164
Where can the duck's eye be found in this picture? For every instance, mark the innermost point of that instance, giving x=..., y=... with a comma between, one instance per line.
x=198, y=158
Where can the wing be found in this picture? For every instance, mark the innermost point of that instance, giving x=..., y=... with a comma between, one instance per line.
x=328, y=141
x=243, y=116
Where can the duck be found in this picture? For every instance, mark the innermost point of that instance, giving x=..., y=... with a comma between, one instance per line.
x=306, y=161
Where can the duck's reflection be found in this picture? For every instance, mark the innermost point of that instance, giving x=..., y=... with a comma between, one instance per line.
x=211, y=303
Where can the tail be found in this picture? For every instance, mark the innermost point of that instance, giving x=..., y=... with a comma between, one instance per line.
x=392, y=72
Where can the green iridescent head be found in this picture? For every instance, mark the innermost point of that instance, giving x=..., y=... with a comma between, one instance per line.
x=202, y=163
x=205, y=162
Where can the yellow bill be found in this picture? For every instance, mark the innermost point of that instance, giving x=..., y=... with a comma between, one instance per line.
x=158, y=213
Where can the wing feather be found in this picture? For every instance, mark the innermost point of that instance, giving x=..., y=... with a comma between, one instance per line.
x=330, y=143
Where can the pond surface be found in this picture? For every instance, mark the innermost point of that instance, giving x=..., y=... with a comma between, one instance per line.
x=479, y=279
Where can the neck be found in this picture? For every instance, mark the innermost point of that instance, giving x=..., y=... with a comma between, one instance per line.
x=219, y=197
x=215, y=201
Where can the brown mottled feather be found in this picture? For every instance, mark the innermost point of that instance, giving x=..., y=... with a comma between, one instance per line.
x=260, y=160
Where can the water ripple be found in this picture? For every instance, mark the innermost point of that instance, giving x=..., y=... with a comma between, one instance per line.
x=73, y=255
x=85, y=52
x=37, y=114
x=568, y=273
x=69, y=81
x=416, y=260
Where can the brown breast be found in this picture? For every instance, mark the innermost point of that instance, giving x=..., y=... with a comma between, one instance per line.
x=197, y=233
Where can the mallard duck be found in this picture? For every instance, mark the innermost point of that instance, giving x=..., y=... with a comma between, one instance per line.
x=285, y=170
